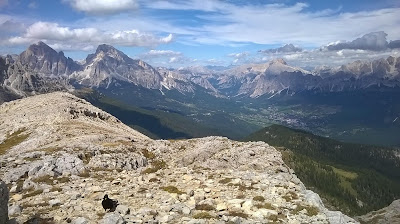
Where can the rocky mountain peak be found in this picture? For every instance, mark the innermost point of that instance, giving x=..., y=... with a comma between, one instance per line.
x=39, y=49
x=106, y=49
x=106, y=52
x=278, y=61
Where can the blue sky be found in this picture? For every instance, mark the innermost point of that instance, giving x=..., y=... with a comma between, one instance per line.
x=175, y=33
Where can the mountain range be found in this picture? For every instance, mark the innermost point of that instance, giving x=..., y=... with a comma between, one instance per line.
x=41, y=69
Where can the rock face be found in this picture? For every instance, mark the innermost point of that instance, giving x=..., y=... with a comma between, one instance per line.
x=62, y=154
x=3, y=203
x=40, y=69
x=387, y=215
x=108, y=63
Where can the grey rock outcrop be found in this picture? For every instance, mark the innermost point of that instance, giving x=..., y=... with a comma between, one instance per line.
x=14, y=210
x=39, y=69
x=112, y=218
x=387, y=215
x=3, y=203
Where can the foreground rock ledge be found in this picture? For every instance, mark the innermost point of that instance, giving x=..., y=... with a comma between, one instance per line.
x=60, y=155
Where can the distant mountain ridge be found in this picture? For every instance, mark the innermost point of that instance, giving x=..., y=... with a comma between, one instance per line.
x=41, y=69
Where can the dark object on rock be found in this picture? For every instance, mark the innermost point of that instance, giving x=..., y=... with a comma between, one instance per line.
x=109, y=203
x=3, y=202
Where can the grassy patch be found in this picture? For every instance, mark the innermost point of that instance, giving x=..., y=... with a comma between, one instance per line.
x=310, y=210
x=156, y=166
x=84, y=174
x=225, y=181
x=259, y=198
x=345, y=174
x=117, y=143
x=149, y=155
x=275, y=218
x=33, y=193
x=31, y=159
x=345, y=178
x=53, y=189
x=12, y=140
x=172, y=189
x=265, y=205
x=243, y=187
x=240, y=196
x=203, y=215
x=47, y=179
x=205, y=207
x=51, y=150
x=238, y=214
x=142, y=190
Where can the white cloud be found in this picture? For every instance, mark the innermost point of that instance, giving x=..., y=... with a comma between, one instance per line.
x=56, y=35
x=223, y=22
x=101, y=7
x=375, y=41
x=287, y=48
x=312, y=58
x=239, y=55
x=163, y=53
x=11, y=27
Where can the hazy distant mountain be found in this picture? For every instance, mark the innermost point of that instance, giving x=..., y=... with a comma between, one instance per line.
x=255, y=80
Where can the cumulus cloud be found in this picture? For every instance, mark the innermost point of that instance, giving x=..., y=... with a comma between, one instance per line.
x=54, y=34
x=287, y=48
x=103, y=7
x=11, y=27
x=375, y=41
x=239, y=57
x=166, y=58
x=310, y=59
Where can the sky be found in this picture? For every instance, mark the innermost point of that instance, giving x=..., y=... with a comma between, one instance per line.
x=180, y=33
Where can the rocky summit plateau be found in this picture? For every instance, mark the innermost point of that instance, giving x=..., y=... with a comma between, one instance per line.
x=59, y=156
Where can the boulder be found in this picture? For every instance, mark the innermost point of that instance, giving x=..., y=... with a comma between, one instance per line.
x=112, y=218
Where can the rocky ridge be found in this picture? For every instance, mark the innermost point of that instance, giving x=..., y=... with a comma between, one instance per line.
x=40, y=69
x=59, y=155
x=387, y=215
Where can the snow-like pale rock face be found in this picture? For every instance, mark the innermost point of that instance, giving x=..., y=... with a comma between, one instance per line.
x=63, y=155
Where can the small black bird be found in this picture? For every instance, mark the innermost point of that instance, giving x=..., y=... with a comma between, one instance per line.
x=109, y=204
